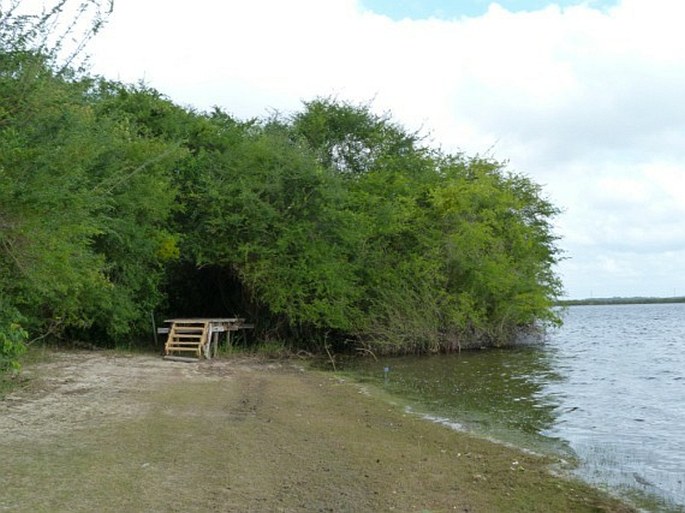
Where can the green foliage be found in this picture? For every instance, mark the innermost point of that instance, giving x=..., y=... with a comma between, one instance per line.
x=261, y=205
x=84, y=205
x=352, y=139
x=332, y=227
x=455, y=251
x=12, y=338
x=499, y=247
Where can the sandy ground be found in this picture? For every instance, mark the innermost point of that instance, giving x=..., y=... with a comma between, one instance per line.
x=110, y=432
x=74, y=389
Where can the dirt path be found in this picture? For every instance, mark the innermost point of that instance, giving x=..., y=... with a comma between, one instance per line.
x=102, y=432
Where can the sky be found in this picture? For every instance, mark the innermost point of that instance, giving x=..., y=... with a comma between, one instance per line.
x=585, y=98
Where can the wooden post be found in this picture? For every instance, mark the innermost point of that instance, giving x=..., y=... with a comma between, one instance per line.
x=215, y=344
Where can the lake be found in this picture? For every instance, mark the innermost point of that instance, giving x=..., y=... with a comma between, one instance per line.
x=607, y=389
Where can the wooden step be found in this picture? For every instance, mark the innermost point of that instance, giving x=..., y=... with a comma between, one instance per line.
x=187, y=337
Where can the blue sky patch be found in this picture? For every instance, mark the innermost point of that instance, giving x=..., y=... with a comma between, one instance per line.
x=451, y=9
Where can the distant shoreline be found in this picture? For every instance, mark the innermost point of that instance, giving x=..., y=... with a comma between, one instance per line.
x=620, y=301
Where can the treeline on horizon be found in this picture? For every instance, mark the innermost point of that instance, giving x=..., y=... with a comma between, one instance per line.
x=330, y=227
x=636, y=300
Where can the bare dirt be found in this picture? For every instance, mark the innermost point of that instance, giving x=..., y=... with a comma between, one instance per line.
x=135, y=433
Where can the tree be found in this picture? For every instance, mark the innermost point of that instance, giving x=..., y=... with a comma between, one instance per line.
x=259, y=204
x=40, y=240
x=456, y=251
x=59, y=31
x=85, y=200
x=499, y=248
x=333, y=225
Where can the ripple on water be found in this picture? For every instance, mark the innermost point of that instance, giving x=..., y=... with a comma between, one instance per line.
x=625, y=369
x=609, y=385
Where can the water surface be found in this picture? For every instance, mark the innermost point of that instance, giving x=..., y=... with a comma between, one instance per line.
x=608, y=387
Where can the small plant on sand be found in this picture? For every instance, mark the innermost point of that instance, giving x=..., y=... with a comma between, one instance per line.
x=12, y=341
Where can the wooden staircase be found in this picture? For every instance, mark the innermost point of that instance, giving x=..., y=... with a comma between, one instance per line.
x=187, y=337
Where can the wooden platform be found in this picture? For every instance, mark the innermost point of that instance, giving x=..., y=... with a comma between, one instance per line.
x=198, y=338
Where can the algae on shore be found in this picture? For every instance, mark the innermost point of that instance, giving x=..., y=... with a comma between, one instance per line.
x=104, y=432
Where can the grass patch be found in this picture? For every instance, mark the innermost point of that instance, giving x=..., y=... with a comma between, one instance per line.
x=264, y=349
x=12, y=380
x=9, y=381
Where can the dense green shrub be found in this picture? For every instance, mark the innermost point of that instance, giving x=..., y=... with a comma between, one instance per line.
x=334, y=225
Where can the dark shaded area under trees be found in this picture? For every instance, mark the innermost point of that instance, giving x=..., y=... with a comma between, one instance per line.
x=334, y=225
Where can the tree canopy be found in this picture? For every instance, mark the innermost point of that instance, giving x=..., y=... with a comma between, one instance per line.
x=330, y=225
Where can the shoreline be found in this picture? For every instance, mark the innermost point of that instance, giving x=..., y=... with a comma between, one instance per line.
x=566, y=463
x=131, y=432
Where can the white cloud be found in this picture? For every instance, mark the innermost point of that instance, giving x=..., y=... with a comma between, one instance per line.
x=586, y=102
